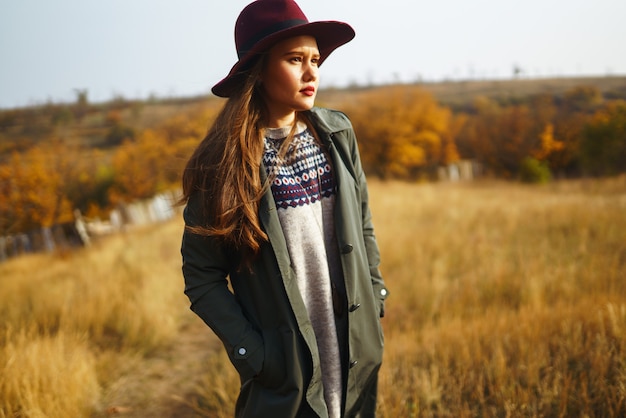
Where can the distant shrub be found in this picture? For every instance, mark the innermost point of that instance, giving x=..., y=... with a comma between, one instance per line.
x=534, y=171
x=603, y=144
x=118, y=133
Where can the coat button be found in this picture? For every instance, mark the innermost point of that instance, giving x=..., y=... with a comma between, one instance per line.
x=242, y=351
x=354, y=307
x=383, y=292
x=353, y=363
x=346, y=249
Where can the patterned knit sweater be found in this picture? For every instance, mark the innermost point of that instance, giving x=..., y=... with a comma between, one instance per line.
x=304, y=191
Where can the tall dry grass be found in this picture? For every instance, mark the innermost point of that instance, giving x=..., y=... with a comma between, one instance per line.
x=506, y=300
x=74, y=323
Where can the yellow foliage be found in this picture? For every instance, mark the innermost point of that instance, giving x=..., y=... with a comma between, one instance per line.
x=400, y=130
x=155, y=160
x=450, y=152
x=139, y=167
x=33, y=188
x=548, y=143
x=191, y=124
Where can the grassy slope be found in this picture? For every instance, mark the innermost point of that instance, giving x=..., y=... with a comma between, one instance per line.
x=506, y=300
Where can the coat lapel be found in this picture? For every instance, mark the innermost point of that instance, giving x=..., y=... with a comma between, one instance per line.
x=271, y=225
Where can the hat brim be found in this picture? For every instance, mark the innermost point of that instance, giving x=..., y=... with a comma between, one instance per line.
x=329, y=35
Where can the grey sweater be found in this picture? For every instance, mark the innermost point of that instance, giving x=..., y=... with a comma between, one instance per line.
x=304, y=191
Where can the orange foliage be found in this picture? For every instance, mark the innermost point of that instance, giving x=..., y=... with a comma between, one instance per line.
x=33, y=188
x=451, y=152
x=193, y=124
x=499, y=137
x=42, y=186
x=548, y=145
x=154, y=161
x=182, y=133
x=138, y=168
x=401, y=131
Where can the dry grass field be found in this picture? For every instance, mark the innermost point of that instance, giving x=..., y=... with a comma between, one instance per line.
x=507, y=300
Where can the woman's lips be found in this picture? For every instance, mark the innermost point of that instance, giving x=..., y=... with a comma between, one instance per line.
x=308, y=91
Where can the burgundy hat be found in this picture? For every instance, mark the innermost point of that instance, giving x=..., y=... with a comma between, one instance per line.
x=263, y=23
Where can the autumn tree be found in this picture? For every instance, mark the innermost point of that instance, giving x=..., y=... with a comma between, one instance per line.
x=450, y=151
x=154, y=160
x=554, y=135
x=117, y=131
x=9, y=195
x=89, y=180
x=582, y=98
x=401, y=131
x=548, y=144
x=182, y=133
x=138, y=168
x=33, y=190
x=603, y=146
x=498, y=137
x=575, y=110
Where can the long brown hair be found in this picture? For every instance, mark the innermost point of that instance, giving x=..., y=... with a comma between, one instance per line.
x=224, y=169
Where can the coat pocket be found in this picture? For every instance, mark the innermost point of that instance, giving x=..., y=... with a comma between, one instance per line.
x=283, y=360
x=273, y=372
x=278, y=389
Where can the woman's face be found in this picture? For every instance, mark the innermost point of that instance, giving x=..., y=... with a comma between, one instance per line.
x=290, y=79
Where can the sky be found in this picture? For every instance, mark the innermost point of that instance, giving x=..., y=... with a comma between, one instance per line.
x=138, y=49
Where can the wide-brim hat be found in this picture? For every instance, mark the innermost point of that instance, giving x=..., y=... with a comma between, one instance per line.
x=263, y=23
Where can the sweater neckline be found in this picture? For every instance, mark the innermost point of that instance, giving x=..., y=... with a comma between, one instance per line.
x=283, y=132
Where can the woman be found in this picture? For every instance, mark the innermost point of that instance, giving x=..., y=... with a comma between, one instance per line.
x=277, y=206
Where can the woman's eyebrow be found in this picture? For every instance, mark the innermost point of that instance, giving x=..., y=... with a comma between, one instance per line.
x=300, y=52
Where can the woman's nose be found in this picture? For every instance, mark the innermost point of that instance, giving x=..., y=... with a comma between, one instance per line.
x=310, y=71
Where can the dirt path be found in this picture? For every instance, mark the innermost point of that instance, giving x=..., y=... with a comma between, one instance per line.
x=162, y=385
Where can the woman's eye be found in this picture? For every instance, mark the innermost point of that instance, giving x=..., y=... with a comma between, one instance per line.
x=296, y=59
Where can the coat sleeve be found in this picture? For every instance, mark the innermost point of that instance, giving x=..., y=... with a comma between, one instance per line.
x=205, y=270
x=371, y=246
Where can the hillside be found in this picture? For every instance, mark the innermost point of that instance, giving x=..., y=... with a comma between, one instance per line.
x=95, y=124
x=96, y=156
x=461, y=93
x=464, y=91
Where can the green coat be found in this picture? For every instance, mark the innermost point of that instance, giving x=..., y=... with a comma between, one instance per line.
x=263, y=322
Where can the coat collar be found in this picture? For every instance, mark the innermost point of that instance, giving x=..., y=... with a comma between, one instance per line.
x=328, y=121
